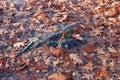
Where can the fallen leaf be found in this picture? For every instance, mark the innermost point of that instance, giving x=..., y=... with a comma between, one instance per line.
x=57, y=76
x=89, y=65
x=33, y=2
x=49, y=60
x=3, y=43
x=88, y=76
x=60, y=1
x=118, y=8
x=1, y=31
x=22, y=27
x=41, y=66
x=58, y=51
x=55, y=29
x=63, y=18
x=112, y=12
x=119, y=17
x=97, y=31
x=78, y=30
x=42, y=17
x=112, y=19
x=77, y=75
x=18, y=44
x=3, y=65
x=77, y=36
x=113, y=52
x=76, y=58
x=103, y=72
x=49, y=3
x=100, y=2
x=111, y=49
x=3, y=61
x=100, y=51
x=63, y=8
x=89, y=48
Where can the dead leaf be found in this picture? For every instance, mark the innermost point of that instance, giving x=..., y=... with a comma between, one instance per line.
x=63, y=18
x=119, y=17
x=77, y=36
x=33, y=2
x=100, y=2
x=58, y=51
x=55, y=29
x=111, y=12
x=44, y=78
x=26, y=61
x=112, y=49
x=63, y=8
x=3, y=62
x=103, y=72
x=100, y=51
x=18, y=44
x=3, y=43
x=22, y=27
x=114, y=66
x=118, y=8
x=41, y=66
x=97, y=31
x=42, y=17
x=49, y=3
x=112, y=19
x=88, y=76
x=1, y=31
x=57, y=76
x=89, y=48
x=78, y=30
x=89, y=65
x=113, y=52
x=76, y=58
x=49, y=60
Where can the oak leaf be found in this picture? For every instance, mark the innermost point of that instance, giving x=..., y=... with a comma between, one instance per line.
x=42, y=17
x=89, y=65
x=76, y=58
x=3, y=62
x=32, y=2
x=1, y=31
x=63, y=8
x=89, y=48
x=88, y=76
x=103, y=73
x=58, y=51
x=57, y=76
x=113, y=52
x=112, y=12
x=18, y=44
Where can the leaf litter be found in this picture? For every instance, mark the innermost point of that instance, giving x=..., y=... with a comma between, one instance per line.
x=22, y=21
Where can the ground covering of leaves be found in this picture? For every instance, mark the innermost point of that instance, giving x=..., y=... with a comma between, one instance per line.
x=98, y=59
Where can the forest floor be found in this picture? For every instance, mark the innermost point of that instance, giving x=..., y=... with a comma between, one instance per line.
x=98, y=32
